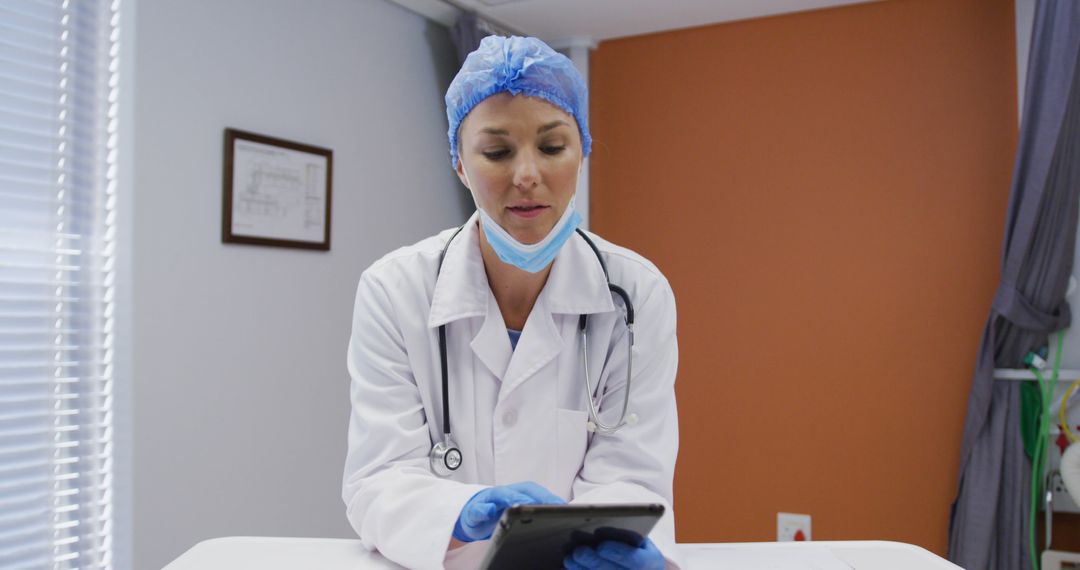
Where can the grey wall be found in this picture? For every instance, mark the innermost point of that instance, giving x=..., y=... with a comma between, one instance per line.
x=240, y=389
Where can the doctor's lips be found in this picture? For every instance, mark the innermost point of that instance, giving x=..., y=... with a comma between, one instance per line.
x=527, y=209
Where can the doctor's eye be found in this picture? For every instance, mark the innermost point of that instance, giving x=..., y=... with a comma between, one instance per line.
x=496, y=154
x=551, y=149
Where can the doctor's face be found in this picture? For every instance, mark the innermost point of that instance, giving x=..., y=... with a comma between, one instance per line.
x=520, y=157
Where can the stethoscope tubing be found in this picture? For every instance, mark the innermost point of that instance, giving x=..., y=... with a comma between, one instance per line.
x=595, y=425
x=440, y=451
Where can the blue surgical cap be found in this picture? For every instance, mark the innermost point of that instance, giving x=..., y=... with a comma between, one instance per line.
x=521, y=66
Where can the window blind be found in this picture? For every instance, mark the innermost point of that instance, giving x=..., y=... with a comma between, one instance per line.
x=58, y=148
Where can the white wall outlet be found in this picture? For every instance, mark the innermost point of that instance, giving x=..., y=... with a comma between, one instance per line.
x=792, y=527
x=1063, y=502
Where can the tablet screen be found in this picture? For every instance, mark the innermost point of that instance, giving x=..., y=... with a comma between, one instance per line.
x=540, y=536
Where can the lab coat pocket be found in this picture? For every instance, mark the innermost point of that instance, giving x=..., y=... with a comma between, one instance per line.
x=571, y=442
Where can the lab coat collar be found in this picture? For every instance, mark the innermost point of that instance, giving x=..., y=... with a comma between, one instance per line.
x=491, y=344
x=576, y=284
x=461, y=290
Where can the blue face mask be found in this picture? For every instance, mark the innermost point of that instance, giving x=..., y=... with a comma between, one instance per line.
x=530, y=257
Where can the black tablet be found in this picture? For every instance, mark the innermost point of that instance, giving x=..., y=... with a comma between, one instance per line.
x=540, y=536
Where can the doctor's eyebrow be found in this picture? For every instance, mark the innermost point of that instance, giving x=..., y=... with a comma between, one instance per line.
x=542, y=129
x=552, y=125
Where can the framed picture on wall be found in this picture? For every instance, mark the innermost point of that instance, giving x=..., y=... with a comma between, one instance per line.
x=277, y=192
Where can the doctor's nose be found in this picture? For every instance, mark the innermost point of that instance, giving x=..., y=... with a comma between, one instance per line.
x=526, y=172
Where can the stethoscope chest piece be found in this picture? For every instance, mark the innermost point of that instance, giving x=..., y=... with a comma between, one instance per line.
x=445, y=458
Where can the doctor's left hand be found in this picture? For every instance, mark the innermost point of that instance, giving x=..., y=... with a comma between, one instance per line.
x=614, y=555
x=480, y=515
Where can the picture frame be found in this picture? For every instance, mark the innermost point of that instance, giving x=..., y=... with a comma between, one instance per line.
x=276, y=192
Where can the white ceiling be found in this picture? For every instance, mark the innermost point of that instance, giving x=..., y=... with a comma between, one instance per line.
x=567, y=22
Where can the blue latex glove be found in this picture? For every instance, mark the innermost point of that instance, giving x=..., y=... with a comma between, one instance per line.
x=480, y=515
x=613, y=555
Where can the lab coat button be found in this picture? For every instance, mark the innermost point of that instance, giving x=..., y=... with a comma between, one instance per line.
x=510, y=418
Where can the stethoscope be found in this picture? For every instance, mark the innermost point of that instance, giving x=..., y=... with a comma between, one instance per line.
x=446, y=457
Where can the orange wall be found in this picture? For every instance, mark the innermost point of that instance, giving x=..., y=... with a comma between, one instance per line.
x=826, y=192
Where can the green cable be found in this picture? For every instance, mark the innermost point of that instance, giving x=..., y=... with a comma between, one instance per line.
x=1038, y=461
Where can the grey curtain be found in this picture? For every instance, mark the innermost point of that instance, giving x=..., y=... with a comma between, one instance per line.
x=466, y=34
x=988, y=523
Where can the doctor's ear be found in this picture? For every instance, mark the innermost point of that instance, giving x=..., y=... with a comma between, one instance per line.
x=460, y=171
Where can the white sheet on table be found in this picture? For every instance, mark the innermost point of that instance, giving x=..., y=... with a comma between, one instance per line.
x=805, y=558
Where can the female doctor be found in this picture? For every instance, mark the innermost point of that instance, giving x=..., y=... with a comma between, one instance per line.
x=510, y=322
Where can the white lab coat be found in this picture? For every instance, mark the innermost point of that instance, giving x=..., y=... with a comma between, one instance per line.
x=517, y=415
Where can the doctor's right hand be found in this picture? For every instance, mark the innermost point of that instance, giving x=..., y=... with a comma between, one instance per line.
x=480, y=515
